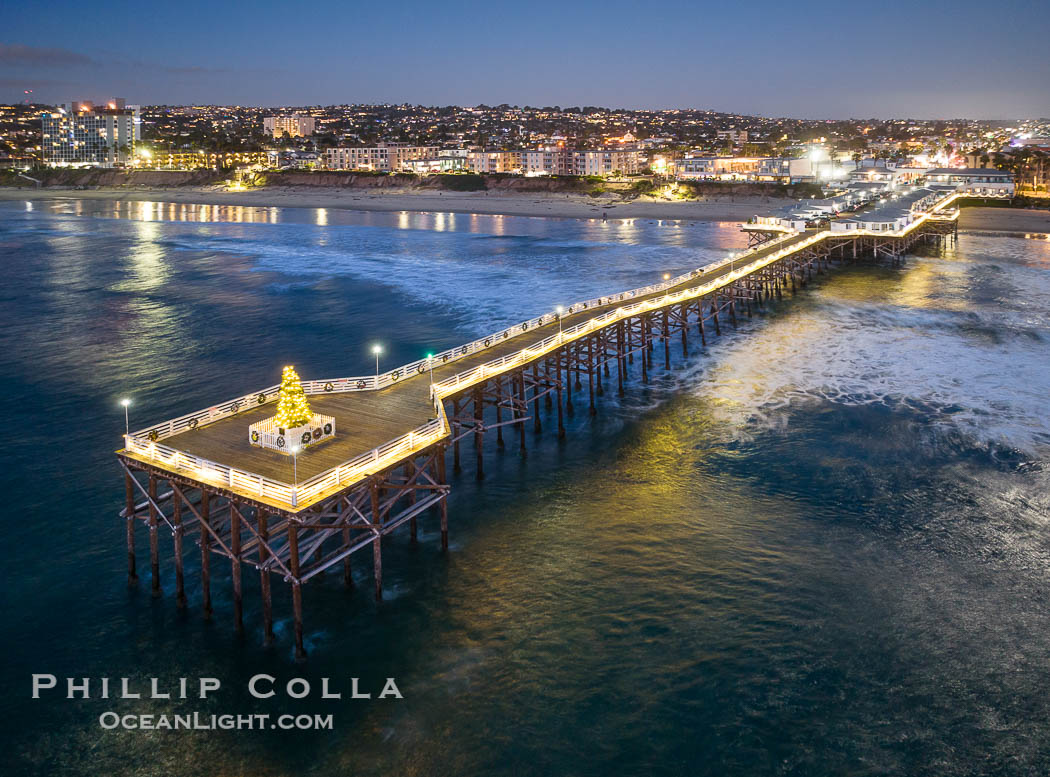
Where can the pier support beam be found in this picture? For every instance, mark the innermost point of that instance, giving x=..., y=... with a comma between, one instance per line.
x=129, y=519
x=235, y=565
x=444, y=502
x=557, y=391
x=154, y=549
x=180, y=578
x=264, y=577
x=377, y=543
x=297, y=588
x=205, y=553
x=479, y=433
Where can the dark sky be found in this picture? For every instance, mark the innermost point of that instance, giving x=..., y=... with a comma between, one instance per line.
x=805, y=59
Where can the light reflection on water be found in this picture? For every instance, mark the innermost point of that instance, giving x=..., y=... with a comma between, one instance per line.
x=818, y=548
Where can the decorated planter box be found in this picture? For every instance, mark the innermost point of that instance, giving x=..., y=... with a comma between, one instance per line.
x=294, y=426
x=270, y=434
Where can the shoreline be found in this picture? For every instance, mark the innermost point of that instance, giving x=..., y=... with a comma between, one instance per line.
x=975, y=220
x=731, y=209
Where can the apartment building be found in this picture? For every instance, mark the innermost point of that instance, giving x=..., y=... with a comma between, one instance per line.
x=296, y=125
x=385, y=157
x=80, y=134
x=495, y=161
x=198, y=160
x=604, y=162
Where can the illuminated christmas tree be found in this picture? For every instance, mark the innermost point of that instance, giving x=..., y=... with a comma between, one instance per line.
x=292, y=408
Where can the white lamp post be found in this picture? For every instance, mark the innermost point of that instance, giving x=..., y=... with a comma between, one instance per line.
x=377, y=349
x=127, y=425
x=430, y=366
x=295, y=475
x=559, y=310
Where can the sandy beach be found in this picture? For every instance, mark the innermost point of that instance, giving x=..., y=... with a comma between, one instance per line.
x=549, y=205
x=727, y=208
x=1004, y=220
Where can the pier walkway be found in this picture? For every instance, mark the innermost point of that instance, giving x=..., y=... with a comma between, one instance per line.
x=386, y=465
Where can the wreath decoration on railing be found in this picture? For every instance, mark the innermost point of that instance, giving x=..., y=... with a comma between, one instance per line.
x=329, y=387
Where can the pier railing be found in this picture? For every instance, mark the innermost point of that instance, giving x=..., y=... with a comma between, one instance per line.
x=292, y=494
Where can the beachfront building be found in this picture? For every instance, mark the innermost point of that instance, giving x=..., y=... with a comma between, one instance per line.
x=383, y=158
x=448, y=160
x=296, y=125
x=609, y=162
x=494, y=161
x=978, y=181
x=293, y=160
x=601, y=162
x=200, y=159
x=717, y=168
x=82, y=135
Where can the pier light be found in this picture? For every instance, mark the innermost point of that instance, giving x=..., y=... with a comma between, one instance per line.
x=560, y=311
x=295, y=465
x=377, y=350
x=667, y=276
x=430, y=366
x=127, y=426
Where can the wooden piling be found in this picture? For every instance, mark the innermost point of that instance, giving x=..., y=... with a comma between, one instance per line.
x=667, y=340
x=154, y=549
x=479, y=434
x=444, y=501
x=235, y=565
x=377, y=543
x=205, y=553
x=297, y=588
x=180, y=577
x=129, y=515
x=264, y=577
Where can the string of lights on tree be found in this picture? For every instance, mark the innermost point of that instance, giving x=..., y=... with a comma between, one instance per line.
x=292, y=408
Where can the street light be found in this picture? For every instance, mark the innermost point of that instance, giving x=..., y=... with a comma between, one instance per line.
x=430, y=366
x=559, y=310
x=667, y=276
x=377, y=349
x=295, y=475
x=127, y=425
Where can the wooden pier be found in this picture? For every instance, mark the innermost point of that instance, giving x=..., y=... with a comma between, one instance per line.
x=198, y=478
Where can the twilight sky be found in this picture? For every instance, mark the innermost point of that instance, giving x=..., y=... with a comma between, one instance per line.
x=814, y=58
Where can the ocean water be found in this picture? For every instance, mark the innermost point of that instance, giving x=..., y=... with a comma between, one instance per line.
x=817, y=547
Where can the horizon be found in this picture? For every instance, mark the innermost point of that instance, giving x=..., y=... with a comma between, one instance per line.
x=99, y=99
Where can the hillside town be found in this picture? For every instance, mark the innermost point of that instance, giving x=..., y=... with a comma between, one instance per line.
x=592, y=142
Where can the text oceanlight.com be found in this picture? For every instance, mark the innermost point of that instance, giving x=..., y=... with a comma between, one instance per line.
x=198, y=722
